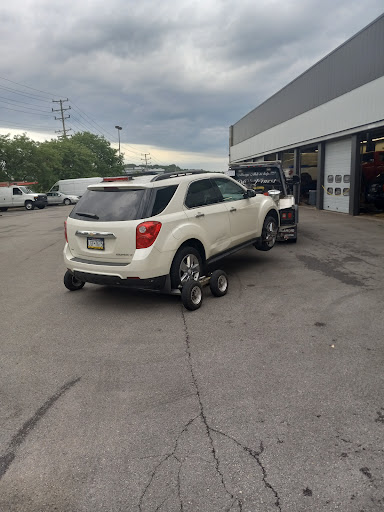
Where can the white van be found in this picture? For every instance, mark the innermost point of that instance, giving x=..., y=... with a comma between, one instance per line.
x=76, y=187
x=16, y=196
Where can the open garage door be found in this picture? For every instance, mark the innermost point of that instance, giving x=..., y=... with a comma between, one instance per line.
x=337, y=175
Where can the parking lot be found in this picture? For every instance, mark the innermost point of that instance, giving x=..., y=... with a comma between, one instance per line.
x=270, y=398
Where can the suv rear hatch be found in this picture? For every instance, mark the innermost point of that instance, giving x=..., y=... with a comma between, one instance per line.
x=102, y=226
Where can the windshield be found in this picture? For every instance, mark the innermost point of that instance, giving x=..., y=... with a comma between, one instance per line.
x=261, y=179
x=27, y=190
x=110, y=204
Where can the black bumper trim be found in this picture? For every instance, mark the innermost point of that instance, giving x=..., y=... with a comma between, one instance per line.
x=156, y=283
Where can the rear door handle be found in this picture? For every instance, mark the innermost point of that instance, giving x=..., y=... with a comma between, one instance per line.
x=199, y=215
x=233, y=209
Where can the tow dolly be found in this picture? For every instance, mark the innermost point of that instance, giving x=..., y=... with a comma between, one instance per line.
x=192, y=291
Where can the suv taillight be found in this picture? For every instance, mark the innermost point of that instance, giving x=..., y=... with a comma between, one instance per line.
x=65, y=231
x=146, y=233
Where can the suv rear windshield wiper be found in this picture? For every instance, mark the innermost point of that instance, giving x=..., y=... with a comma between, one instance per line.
x=90, y=215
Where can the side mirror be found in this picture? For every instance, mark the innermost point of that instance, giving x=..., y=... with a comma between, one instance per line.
x=249, y=193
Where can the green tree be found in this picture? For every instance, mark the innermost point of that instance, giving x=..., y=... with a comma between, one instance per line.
x=106, y=160
x=18, y=157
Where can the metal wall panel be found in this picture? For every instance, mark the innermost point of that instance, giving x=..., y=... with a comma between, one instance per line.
x=355, y=63
x=337, y=175
x=355, y=111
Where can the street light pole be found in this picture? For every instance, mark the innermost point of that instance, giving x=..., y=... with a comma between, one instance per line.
x=118, y=128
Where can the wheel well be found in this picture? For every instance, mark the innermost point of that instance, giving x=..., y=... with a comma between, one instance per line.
x=193, y=242
x=273, y=213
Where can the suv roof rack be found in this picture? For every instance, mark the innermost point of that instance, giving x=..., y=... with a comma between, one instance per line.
x=168, y=175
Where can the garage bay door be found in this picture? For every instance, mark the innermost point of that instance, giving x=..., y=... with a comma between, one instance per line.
x=337, y=175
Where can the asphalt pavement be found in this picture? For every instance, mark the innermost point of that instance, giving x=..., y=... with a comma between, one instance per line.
x=270, y=398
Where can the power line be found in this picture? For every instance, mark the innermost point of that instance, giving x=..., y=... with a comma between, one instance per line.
x=23, y=125
x=24, y=112
x=16, y=105
x=33, y=96
x=18, y=101
x=27, y=87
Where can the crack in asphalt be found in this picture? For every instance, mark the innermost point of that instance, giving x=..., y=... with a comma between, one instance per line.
x=20, y=436
x=256, y=455
x=166, y=457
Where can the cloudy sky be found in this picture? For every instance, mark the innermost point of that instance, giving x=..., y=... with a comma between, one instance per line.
x=174, y=74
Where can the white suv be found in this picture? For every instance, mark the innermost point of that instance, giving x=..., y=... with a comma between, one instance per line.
x=162, y=233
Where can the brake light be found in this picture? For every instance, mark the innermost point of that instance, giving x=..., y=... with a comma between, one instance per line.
x=146, y=233
x=287, y=215
x=65, y=231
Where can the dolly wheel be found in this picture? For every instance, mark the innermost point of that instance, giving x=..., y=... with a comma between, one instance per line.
x=192, y=295
x=218, y=283
x=71, y=283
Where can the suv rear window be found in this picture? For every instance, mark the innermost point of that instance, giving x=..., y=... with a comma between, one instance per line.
x=110, y=204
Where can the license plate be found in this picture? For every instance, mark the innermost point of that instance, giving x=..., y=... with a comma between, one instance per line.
x=287, y=233
x=95, y=243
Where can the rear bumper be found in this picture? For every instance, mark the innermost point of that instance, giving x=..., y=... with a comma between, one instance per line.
x=155, y=283
x=147, y=270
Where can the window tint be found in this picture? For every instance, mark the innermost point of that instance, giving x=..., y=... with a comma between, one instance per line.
x=17, y=192
x=110, y=204
x=202, y=193
x=162, y=198
x=229, y=190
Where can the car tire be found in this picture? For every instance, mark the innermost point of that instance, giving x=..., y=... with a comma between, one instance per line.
x=29, y=205
x=3, y=209
x=218, y=283
x=67, y=202
x=268, y=234
x=186, y=266
x=71, y=283
x=192, y=295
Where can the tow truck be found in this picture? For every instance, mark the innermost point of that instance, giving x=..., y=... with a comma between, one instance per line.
x=265, y=177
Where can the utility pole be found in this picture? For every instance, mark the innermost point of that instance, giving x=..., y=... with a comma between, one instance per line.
x=62, y=117
x=145, y=159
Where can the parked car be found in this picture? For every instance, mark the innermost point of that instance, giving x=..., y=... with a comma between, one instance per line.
x=375, y=192
x=162, y=233
x=60, y=198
